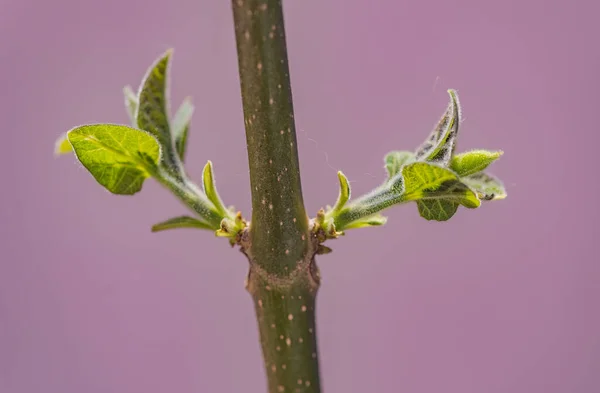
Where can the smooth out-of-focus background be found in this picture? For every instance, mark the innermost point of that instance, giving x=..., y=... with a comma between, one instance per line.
x=502, y=299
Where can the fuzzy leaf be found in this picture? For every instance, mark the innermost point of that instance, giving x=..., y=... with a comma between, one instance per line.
x=181, y=222
x=152, y=111
x=471, y=162
x=487, y=186
x=62, y=145
x=440, y=145
x=210, y=189
x=344, y=192
x=394, y=161
x=181, y=125
x=119, y=157
x=424, y=181
x=131, y=104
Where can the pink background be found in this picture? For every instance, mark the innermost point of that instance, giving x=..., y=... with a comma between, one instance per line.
x=503, y=299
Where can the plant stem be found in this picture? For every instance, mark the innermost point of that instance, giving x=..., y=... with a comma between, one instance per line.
x=186, y=191
x=283, y=278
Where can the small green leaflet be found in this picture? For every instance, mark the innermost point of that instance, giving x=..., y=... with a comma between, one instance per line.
x=62, y=145
x=180, y=126
x=471, y=162
x=131, y=104
x=344, y=193
x=395, y=160
x=119, y=157
x=210, y=189
x=181, y=222
x=440, y=145
x=487, y=186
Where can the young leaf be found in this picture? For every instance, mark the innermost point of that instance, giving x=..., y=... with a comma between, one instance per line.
x=152, y=111
x=344, y=192
x=424, y=181
x=131, y=104
x=181, y=222
x=396, y=159
x=62, y=145
x=438, y=210
x=119, y=157
x=210, y=190
x=180, y=126
x=440, y=145
x=487, y=186
x=471, y=162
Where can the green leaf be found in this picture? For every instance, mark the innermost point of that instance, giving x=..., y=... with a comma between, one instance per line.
x=425, y=181
x=210, y=189
x=440, y=145
x=394, y=161
x=119, y=157
x=370, y=221
x=62, y=145
x=437, y=210
x=344, y=192
x=181, y=125
x=131, y=104
x=152, y=111
x=471, y=162
x=488, y=187
x=181, y=222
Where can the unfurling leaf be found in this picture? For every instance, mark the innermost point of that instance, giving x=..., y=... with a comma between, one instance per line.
x=487, y=186
x=119, y=157
x=471, y=162
x=180, y=126
x=424, y=181
x=394, y=161
x=152, y=113
x=62, y=145
x=344, y=192
x=440, y=145
x=181, y=222
x=131, y=104
x=210, y=189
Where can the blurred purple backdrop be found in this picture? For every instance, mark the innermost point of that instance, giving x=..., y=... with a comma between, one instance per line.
x=502, y=299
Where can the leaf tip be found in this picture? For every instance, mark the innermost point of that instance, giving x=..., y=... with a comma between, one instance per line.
x=62, y=145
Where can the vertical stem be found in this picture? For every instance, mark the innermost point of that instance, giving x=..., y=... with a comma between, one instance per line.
x=283, y=278
x=278, y=216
